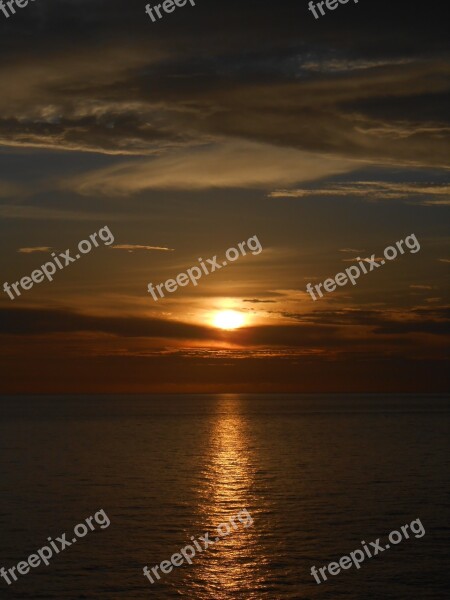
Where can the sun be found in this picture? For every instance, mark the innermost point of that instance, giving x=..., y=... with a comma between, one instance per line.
x=228, y=319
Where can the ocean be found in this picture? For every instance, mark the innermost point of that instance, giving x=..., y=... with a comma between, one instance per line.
x=318, y=474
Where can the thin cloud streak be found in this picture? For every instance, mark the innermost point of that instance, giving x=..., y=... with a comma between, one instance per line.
x=373, y=190
x=133, y=247
x=35, y=249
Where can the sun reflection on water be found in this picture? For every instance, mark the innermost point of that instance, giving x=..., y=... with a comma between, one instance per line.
x=231, y=566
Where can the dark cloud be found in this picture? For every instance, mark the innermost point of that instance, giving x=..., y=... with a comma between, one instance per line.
x=419, y=320
x=16, y=321
x=318, y=329
x=99, y=76
x=24, y=322
x=258, y=301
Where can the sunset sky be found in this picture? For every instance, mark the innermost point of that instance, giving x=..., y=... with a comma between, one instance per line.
x=327, y=139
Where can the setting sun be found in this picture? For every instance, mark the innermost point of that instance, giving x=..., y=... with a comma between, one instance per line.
x=228, y=319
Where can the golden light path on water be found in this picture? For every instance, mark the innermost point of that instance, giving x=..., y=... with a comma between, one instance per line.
x=232, y=567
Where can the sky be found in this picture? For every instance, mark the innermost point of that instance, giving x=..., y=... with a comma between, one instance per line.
x=328, y=139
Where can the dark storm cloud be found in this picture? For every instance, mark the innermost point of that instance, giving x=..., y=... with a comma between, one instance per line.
x=100, y=76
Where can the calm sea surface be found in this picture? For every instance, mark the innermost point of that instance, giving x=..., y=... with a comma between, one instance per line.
x=318, y=474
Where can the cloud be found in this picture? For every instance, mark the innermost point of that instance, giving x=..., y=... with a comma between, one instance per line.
x=30, y=322
x=368, y=260
x=434, y=321
x=133, y=247
x=258, y=301
x=35, y=249
x=330, y=65
x=231, y=164
x=45, y=321
x=327, y=329
x=346, y=115
x=373, y=190
x=360, y=91
x=58, y=100
x=445, y=202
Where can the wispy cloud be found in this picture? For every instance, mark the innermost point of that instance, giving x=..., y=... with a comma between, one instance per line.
x=374, y=190
x=328, y=65
x=445, y=202
x=34, y=249
x=421, y=287
x=133, y=247
x=368, y=260
x=229, y=164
